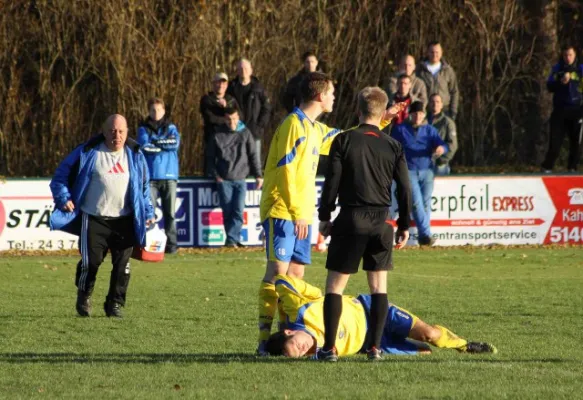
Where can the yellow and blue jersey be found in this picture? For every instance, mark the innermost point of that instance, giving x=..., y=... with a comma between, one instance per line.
x=303, y=305
x=289, y=190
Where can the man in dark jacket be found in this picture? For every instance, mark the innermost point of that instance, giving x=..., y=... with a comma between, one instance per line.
x=232, y=157
x=447, y=132
x=566, y=84
x=439, y=77
x=292, y=96
x=407, y=67
x=402, y=95
x=254, y=104
x=212, y=108
x=160, y=141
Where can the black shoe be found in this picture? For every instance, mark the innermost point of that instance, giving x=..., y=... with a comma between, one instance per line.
x=478, y=348
x=330, y=355
x=171, y=250
x=239, y=244
x=426, y=241
x=230, y=244
x=112, y=309
x=373, y=354
x=83, y=305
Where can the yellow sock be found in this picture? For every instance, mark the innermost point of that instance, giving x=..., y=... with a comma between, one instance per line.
x=267, y=308
x=448, y=339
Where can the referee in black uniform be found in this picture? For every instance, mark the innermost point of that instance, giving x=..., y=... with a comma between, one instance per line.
x=363, y=163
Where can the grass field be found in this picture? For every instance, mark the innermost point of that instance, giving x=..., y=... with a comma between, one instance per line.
x=189, y=330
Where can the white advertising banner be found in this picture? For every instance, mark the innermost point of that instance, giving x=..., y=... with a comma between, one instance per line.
x=464, y=210
x=25, y=209
x=489, y=210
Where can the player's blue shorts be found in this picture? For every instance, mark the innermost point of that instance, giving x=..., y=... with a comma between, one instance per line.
x=397, y=326
x=281, y=243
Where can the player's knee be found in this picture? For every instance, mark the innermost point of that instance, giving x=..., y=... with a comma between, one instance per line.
x=431, y=333
x=296, y=270
x=296, y=274
x=377, y=281
x=273, y=269
x=425, y=333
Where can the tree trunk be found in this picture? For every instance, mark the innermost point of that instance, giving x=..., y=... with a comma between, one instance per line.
x=542, y=15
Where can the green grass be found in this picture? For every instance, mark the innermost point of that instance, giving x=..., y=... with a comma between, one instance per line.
x=189, y=330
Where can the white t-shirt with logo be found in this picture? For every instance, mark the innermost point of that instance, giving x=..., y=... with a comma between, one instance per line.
x=107, y=194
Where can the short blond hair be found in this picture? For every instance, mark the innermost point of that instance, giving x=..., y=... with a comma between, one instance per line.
x=372, y=102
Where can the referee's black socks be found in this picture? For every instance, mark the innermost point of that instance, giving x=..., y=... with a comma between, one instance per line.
x=379, y=309
x=332, y=313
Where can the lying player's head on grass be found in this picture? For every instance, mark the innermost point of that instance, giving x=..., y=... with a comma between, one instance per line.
x=372, y=103
x=318, y=87
x=291, y=343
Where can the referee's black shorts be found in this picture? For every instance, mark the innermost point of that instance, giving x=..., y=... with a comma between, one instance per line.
x=361, y=234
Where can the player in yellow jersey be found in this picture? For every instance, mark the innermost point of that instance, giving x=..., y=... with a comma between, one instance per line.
x=289, y=191
x=302, y=305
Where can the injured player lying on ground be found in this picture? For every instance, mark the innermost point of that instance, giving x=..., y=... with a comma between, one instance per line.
x=302, y=328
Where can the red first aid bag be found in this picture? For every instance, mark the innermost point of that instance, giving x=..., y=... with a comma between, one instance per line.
x=155, y=246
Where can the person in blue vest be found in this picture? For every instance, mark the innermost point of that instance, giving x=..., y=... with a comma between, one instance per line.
x=422, y=145
x=160, y=141
x=102, y=194
x=566, y=84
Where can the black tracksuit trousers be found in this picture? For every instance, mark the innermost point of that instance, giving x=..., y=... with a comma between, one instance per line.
x=98, y=235
x=564, y=122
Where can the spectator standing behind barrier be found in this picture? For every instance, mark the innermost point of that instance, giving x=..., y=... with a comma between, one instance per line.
x=232, y=157
x=160, y=141
x=422, y=144
x=254, y=104
x=418, y=89
x=102, y=194
x=403, y=95
x=439, y=77
x=447, y=132
x=212, y=107
x=566, y=84
x=292, y=96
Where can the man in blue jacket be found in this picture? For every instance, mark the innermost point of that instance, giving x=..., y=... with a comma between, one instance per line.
x=422, y=145
x=566, y=84
x=160, y=141
x=101, y=193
